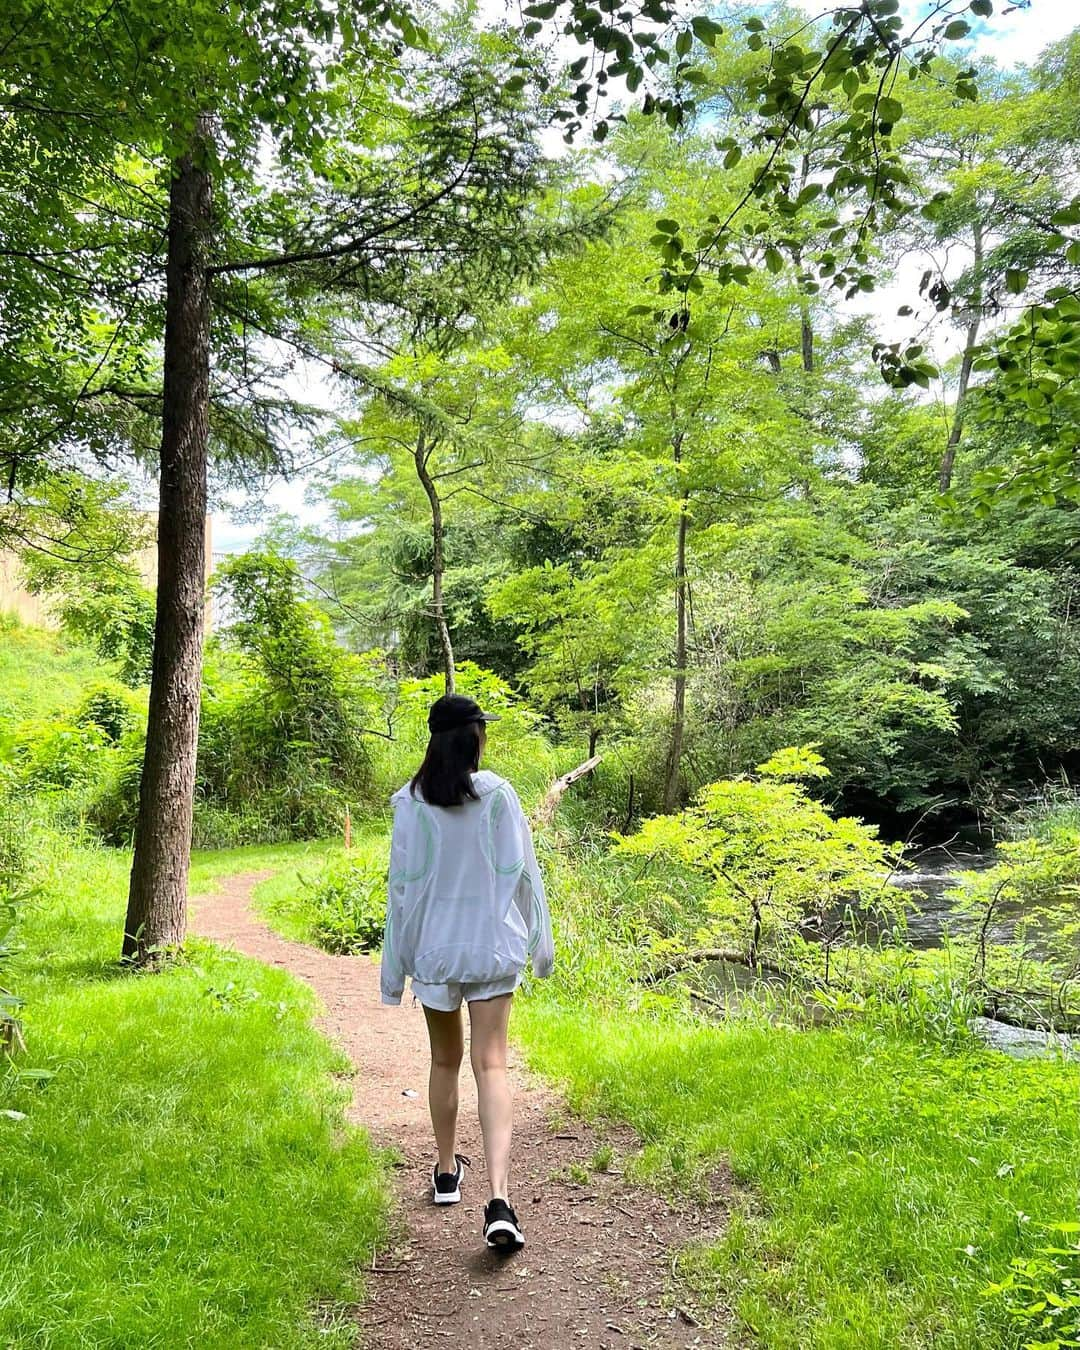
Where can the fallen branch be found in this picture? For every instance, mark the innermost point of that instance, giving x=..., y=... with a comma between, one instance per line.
x=681, y=960
x=993, y=1005
x=545, y=812
x=1058, y=1023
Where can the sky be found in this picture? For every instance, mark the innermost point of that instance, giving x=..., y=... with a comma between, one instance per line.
x=1011, y=39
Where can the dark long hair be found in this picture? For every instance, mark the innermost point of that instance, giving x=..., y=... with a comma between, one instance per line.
x=451, y=759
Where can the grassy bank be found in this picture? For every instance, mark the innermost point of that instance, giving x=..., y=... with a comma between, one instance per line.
x=42, y=673
x=880, y=1184
x=185, y=1178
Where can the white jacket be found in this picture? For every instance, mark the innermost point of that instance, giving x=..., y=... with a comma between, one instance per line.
x=465, y=897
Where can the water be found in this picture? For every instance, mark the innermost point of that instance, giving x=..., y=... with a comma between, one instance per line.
x=931, y=916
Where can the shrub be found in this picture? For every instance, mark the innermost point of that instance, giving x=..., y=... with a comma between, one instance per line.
x=771, y=864
x=110, y=707
x=51, y=755
x=283, y=742
x=215, y=826
x=111, y=805
x=286, y=711
x=1024, y=927
x=348, y=903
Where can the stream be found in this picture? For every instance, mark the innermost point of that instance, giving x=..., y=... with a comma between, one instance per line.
x=932, y=871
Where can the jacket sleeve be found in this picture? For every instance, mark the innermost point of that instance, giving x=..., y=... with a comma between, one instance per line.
x=541, y=942
x=392, y=975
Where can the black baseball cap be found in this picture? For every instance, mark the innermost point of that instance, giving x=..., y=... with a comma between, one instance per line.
x=456, y=710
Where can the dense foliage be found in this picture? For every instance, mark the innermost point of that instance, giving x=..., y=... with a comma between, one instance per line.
x=696, y=533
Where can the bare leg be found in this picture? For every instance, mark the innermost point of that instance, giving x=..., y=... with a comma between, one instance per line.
x=489, y=1019
x=447, y=1047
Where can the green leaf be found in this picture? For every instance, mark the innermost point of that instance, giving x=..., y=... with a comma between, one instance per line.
x=890, y=110
x=774, y=259
x=1068, y=215
x=684, y=42
x=732, y=157
x=706, y=30
x=983, y=8
x=666, y=225
x=959, y=28
x=1016, y=280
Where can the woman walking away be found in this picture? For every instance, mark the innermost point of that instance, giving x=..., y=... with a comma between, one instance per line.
x=465, y=912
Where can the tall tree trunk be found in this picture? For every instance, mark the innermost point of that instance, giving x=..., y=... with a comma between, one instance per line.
x=157, y=900
x=420, y=456
x=806, y=329
x=967, y=361
x=678, y=712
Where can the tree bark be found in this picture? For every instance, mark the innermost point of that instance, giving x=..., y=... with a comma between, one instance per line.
x=806, y=331
x=678, y=711
x=967, y=361
x=157, y=899
x=420, y=456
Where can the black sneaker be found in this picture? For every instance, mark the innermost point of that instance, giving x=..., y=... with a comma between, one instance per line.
x=501, y=1229
x=446, y=1186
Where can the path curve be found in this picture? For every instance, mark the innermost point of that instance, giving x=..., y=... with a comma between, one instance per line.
x=596, y=1269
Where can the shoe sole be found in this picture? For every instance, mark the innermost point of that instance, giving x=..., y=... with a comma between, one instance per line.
x=502, y=1236
x=447, y=1197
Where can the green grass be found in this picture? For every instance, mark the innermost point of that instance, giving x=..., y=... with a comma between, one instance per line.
x=287, y=862
x=42, y=673
x=283, y=900
x=880, y=1183
x=186, y=1177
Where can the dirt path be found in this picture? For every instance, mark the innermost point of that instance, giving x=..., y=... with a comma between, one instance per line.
x=596, y=1268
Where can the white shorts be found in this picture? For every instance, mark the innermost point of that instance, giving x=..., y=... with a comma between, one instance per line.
x=449, y=997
